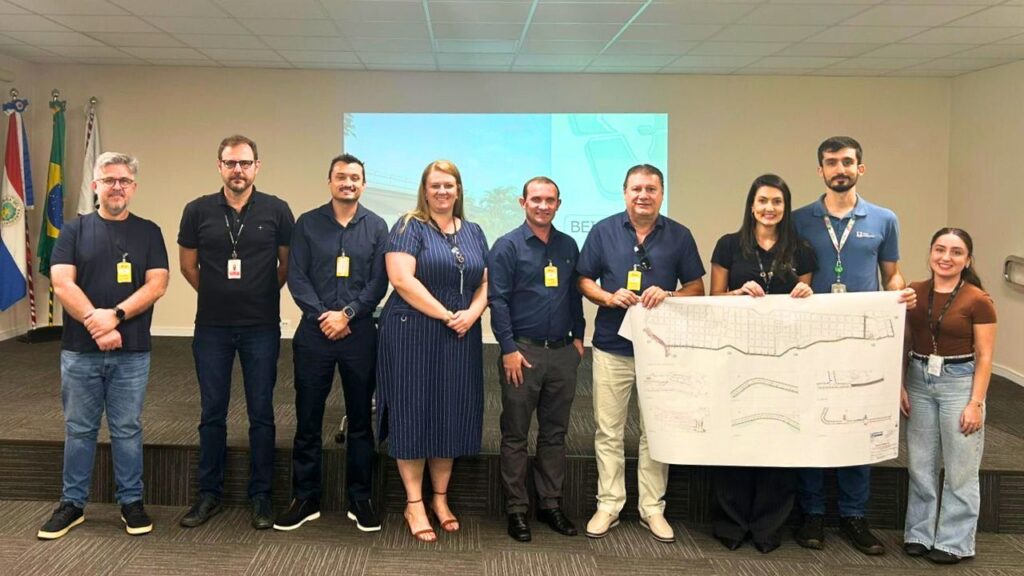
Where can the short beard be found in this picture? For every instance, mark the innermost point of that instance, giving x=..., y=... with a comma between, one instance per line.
x=850, y=183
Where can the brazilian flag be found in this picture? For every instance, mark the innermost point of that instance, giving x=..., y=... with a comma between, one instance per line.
x=53, y=216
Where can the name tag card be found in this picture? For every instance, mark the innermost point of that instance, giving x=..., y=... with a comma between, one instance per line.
x=633, y=280
x=124, y=272
x=551, y=276
x=342, y=267
x=235, y=269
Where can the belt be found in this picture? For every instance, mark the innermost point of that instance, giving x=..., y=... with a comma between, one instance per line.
x=551, y=344
x=959, y=359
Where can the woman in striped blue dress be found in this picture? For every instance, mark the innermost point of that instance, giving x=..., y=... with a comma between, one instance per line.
x=430, y=364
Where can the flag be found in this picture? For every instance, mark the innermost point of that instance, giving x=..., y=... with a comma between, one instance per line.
x=53, y=216
x=86, y=196
x=16, y=196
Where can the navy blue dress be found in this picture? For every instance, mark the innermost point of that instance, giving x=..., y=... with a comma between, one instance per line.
x=430, y=381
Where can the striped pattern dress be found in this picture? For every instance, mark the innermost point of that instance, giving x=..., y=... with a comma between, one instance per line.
x=430, y=382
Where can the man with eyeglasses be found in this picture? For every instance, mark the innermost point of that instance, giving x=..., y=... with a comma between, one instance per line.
x=337, y=277
x=635, y=257
x=233, y=250
x=108, y=269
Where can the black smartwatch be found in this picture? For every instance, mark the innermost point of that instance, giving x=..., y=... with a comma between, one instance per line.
x=119, y=313
x=349, y=312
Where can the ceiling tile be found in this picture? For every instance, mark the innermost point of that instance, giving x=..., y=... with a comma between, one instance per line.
x=313, y=56
x=903, y=50
x=403, y=30
x=561, y=46
x=195, y=25
x=8, y=8
x=24, y=51
x=47, y=7
x=802, y=62
x=405, y=67
x=925, y=73
x=883, y=63
x=200, y=62
x=324, y=43
x=567, y=69
x=282, y=27
x=943, y=2
x=225, y=54
x=479, y=11
x=748, y=71
x=865, y=34
x=50, y=59
x=165, y=53
x=240, y=41
x=279, y=65
x=738, y=48
x=112, y=60
x=703, y=71
x=478, y=31
x=951, y=35
x=328, y=65
x=553, y=60
x=297, y=9
x=391, y=44
x=863, y=2
x=799, y=14
x=29, y=23
x=710, y=61
x=141, y=39
x=474, y=60
x=582, y=32
x=621, y=70
x=54, y=38
x=574, y=12
x=964, y=64
x=640, y=60
x=997, y=16
x=754, y=33
x=197, y=8
x=850, y=72
x=116, y=24
x=9, y=40
x=670, y=32
x=1013, y=40
x=1015, y=51
x=637, y=47
x=361, y=10
x=694, y=12
x=396, y=58
x=826, y=49
x=476, y=46
x=473, y=68
x=88, y=51
x=909, y=15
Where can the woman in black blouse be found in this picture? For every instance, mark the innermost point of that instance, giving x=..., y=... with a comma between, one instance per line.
x=765, y=257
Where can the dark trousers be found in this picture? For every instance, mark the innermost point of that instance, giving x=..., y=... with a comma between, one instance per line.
x=754, y=500
x=549, y=388
x=854, y=490
x=316, y=357
x=214, y=349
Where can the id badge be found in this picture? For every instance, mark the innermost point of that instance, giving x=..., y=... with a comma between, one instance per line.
x=235, y=269
x=124, y=272
x=633, y=280
x=341, y=268
x=551, y=277
x=935, y=364
x=839, y=288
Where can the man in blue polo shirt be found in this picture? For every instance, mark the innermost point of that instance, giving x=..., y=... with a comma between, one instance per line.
x=336, y=276
x=638, y=257
x=537, y=318
x=854, y=240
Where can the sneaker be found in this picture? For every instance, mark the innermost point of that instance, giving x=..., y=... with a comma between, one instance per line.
x=262, y=513
x=136, y=521
x=298, y=513
x=65, y=517
x=205, y=508
x=366, y=518
x=856, y=529
x=811, y=534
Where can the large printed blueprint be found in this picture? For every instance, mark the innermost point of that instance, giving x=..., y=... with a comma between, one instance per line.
x=773, y=381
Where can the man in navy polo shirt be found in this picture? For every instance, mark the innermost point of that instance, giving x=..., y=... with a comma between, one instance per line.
x=638, y=257
x=336, y=276
x=537, y=318
x=233, y=250
x=854, y=240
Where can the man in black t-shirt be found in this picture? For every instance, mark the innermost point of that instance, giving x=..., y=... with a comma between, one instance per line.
x=108, y=268
x=233, y=249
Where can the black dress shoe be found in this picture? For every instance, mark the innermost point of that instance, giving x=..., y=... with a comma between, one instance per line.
x=856, y=530
x=915, y=549
x=207, y=507
x=262, y=515
x=557, y=520
x=941, y=557
x=730, y=543
x=766, y=547
x=518, y=529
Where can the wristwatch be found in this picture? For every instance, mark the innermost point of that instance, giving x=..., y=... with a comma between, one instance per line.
x=119, y=313
x=349, y=312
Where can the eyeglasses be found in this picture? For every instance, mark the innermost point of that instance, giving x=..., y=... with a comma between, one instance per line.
x=641, y=253
x=245, y=164
x=110, y=182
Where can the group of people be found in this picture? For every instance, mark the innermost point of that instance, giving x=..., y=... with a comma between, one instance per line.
x=424, y=357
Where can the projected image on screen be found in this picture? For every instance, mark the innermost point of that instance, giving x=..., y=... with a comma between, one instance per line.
x=586, y=154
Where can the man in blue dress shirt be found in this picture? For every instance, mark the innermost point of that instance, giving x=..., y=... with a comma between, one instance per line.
x=336, y=276
x=639, y=257
x=854, y=241
x=537, y=318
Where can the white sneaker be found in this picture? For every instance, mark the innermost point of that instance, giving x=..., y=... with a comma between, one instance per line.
x=659, y=527
x=600, y=523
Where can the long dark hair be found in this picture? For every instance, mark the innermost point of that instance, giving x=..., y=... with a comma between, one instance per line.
x=786, y=239
x=968, y=274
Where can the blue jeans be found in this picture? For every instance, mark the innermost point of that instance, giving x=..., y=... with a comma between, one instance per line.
x=854, y=490
x=214, y=348
x=89, y=383
x=933, y=430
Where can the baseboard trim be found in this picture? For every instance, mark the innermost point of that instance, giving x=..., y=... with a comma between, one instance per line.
x=1008, y=373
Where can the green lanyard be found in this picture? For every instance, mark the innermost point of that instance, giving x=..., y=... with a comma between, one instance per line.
x=839, y=243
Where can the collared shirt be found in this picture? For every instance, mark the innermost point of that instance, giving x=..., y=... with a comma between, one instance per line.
x=521, y=305
x=266, y=224
x=873, y=240
x=608, y=255
x=317, y=243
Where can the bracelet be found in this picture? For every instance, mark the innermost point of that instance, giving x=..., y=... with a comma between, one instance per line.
x=980, y=403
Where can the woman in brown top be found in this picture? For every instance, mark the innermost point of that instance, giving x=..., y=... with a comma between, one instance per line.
x=949, y=365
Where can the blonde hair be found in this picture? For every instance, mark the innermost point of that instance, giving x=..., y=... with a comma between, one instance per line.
x=422, y=211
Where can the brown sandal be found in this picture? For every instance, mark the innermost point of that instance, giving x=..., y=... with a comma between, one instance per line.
x=446, y=525
x=426, y=535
